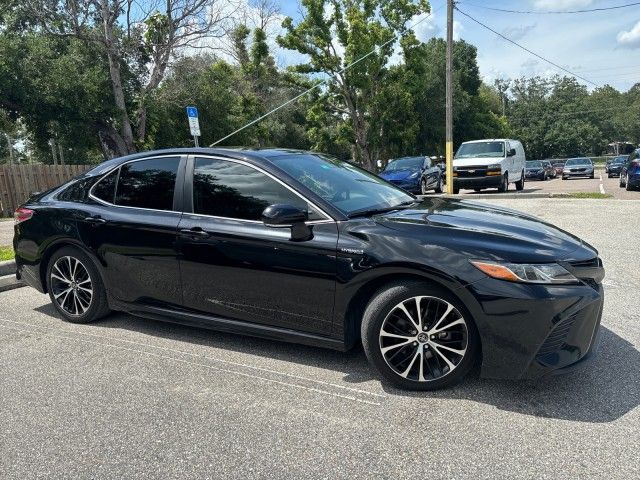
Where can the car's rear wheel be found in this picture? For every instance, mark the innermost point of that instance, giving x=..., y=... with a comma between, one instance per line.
x=75, y=286
x=418, y=336
x=626, y=184
x=520, y=183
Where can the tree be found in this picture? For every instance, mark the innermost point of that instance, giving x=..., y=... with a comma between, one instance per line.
x=335, y=33
x=137, y=40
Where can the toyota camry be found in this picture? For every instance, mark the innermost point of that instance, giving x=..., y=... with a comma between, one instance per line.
x=302, y=247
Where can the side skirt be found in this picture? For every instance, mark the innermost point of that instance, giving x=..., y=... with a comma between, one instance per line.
x=193, y=319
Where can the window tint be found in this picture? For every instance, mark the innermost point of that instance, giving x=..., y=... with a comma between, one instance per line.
x=233, y=190
x=148, y=183
x=105, y=189
x=77, y=191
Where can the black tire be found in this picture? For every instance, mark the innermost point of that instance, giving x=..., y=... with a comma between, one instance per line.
x=504, y=186
x=381, y=306
x=627, y=187
x=564, y=178
x=592, y=176
x=622, y=183
x=423, y=186
x=520, y=183
x=609, y=175
x=97, y=307
x=456, y=190
x=477, y=189
x=440, y=185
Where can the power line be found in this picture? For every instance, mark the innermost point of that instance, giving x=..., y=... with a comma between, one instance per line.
x=526, y=49
x=326, y=80
x=562, y=12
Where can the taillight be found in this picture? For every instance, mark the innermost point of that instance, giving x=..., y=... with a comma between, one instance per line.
x=22, y=215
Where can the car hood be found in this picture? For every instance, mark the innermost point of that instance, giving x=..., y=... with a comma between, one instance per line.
x=397, y=174
x=476, y=161
x=487, y=232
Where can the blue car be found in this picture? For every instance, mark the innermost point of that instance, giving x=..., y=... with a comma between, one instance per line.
x=414, y=174
x=630, y=173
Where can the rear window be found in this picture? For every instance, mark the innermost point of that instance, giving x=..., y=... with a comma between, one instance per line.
x=148, y=183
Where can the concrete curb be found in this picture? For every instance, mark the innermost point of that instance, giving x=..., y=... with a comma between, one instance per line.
x=8, y=267
x=9, y=282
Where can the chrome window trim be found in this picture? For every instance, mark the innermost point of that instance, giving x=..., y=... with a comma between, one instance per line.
x=92, y=197
x=327, y=219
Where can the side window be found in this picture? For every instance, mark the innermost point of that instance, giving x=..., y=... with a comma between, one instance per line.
x=76, y=191
x=228, y=189
x=148, y=183
x=105, y=189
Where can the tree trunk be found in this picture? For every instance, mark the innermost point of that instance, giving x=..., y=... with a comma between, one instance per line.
x=116, y=79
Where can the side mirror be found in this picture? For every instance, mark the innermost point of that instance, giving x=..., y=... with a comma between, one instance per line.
x=288, y=216
x=511, y=153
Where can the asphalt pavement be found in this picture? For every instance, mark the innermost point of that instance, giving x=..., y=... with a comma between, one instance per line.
x=6, y=232
x=133, y=398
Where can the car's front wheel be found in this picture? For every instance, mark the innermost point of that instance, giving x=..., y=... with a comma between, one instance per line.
x=440, y=186
x=75, y=286
x=418, y=336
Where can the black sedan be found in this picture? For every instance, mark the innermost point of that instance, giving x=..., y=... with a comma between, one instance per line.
x=302, y=247
x=536, y=169
x=615, y=165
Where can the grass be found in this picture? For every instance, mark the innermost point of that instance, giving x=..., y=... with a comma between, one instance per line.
x=6, y=253
x=596, y=195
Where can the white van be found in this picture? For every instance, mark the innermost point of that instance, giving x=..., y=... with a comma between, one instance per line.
x=489, y=163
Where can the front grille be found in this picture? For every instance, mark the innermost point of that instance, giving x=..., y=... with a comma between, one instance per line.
x=479, y=171
x=555, y=341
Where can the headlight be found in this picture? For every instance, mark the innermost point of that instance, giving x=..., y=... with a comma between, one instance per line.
x=527, y=273
x=414, y=175
x=495, y=166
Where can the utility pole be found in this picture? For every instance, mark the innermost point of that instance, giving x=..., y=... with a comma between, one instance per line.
x=449, y=101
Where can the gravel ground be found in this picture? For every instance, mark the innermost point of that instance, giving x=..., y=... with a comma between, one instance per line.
x=133, y=398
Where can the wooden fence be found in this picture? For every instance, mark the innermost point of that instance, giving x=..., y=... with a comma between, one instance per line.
x=17, y=182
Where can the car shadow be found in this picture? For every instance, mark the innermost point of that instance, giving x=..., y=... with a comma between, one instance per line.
x=603, y=391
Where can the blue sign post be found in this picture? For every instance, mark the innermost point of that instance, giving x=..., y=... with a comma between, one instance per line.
x=194, y=124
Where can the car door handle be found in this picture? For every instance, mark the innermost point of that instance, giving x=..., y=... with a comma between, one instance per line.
x=95, y=220
x=194, y=232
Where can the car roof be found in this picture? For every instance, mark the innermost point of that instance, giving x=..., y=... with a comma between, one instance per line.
x=259, y=155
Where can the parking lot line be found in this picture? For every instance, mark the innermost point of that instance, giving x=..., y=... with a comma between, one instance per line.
x=167, y=357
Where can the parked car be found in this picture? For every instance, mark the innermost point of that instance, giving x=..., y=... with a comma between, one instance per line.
x=577, y=167
x=558, y=166
x=534, y=169
x=630, y=172
x=551, y=172
x=301, y=247
x=489, y=163
x=414, y=174
x=615, y=167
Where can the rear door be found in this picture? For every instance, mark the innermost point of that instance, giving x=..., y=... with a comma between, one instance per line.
x=233, y=266
x=131, y=226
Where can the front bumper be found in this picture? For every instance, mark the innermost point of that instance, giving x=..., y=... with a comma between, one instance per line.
x=534, y=174
x=411, y=186
x=530, y=331
x=585, y=173
x=477, y=182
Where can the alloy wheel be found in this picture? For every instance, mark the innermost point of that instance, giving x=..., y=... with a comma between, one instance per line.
x=423, y=186
x=423, y=338
x=71, y=285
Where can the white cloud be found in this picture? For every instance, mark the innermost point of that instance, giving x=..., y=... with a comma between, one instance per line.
x=630, y=39
x=518, y=32
x=557, y=5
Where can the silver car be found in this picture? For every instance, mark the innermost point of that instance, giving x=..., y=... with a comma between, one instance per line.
x=578, y=167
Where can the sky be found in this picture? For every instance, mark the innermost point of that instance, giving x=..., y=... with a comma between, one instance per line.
x=603, y=47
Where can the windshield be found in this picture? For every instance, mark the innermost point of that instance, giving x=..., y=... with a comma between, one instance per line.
x=348, y=188
x=578, y=161
x=406, y=163
x=480, y=149
x=534, y=164
x=620, y=159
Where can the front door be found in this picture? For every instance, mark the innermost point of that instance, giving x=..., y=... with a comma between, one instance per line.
x=233, y=266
